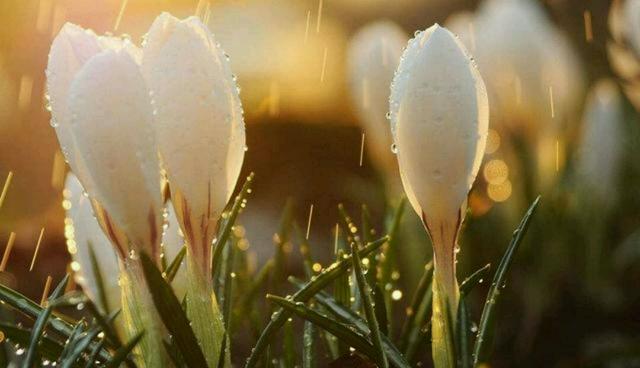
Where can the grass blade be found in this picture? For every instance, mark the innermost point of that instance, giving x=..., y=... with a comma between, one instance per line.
x=411, y=323
x=464, y=355
x=48, y=348
x=172, y=314
x=79, y=348
x=40, y=324
x=474, y=280
x=350, y=317
x=365, y=294
x=342, y=332
x=483, y=341
x=121, y=354
x=228, y=225
x=172, y=270
x=308, y=353
x=323, y=279
x=97, y=273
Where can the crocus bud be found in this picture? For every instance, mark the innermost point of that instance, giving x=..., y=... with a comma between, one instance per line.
x=198, y=122
x=624, y=47
x=82, y=231
x=439, y=117
x=537, y=64
x=373, y=57
x=600, y=148
x=101, y=109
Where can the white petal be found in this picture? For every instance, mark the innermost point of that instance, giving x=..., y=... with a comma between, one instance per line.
x=70, y=50
x=374, y=55
x=111, y=123
x=83, y=230
x=440, y=117
x=600, y=148
x=199, y=120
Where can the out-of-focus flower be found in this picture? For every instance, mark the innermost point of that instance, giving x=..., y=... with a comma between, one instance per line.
x=534, y=78
x=373, y=57
x=624, y=47
x=101, y=110
x=294, y=72
x=600, y=152
x=198, y=122
x=83, y=231
x=439, y=116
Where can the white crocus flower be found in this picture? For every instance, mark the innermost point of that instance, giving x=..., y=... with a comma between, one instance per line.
x=624, y=47
x=83, y=231
x=102, y=113
x=439, y=116
x=600, y=148
x=198, y=122
x=536, y=64
x=373, y=57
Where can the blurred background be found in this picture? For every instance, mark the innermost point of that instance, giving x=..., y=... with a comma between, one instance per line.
x=561, y=76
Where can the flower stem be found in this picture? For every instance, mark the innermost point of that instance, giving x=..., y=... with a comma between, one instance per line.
x=204, y=313
x=140, y=315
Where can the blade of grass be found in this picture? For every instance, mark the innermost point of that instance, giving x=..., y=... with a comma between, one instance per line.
x=483, y=341
x=228, y=225
x=323, y=279
x=49, y=348
x=40, y=324
x=351, y=318
x=97, y=274
x=94, y=354
x=380, y=308
x=342, y=332
x=464, y=354
x=410, y=324
x=308, y=352
x=172, y=270
x=79, y=348
x=172, y=314
x=121, y=354
x=365, y=294
x=474, y=280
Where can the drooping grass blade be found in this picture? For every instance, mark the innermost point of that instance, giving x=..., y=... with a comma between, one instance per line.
x=365, y=294
x=323, y=279
x=351, y=318
x=172, y=314
x=342, y=332
x=308, y=351
x=484, y=339
x=464, y=354
x=473, y=280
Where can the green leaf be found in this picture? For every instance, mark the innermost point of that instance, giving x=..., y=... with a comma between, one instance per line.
x=323, y=279
x=464, y=354
x=49, y=348
x=308, y=352
x=342, y=332
x=121, y=354
x=442, y=327
x=97, y=273
x=351, y=318
x=172, y=314
x=40, y=324
x=94, y=354
x=484, y=339
x=365, y=294
x=79, y=348
x=228, y=225
x=415, y=319
x=474, y=280
x=173, y=268
x=380, y=307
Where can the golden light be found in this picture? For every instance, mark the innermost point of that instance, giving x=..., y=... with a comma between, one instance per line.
x=493, y=142
x=499, y=192
x=496, y=172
